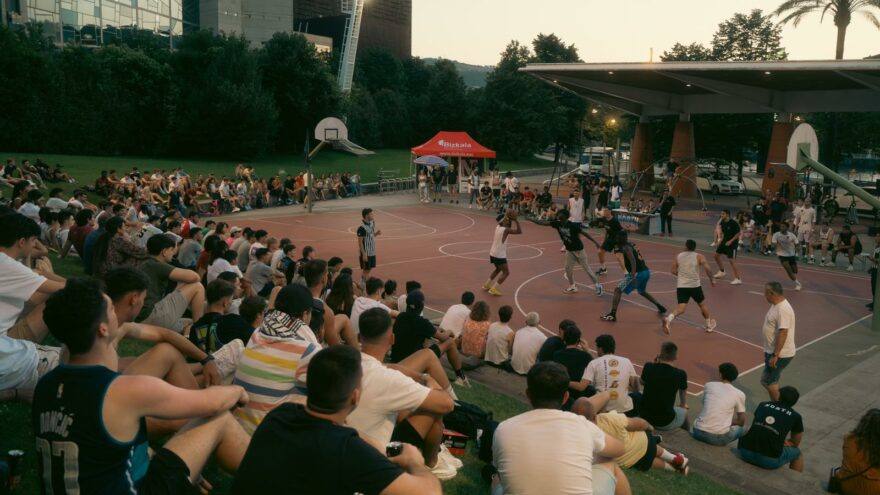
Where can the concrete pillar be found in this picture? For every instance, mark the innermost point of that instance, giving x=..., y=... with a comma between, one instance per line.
x=684, y=155
x=778, y=153
x=641, y=155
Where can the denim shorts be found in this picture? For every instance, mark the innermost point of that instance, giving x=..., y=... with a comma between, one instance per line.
x=716, y=438
x=789, y=454
x=770, y=375
x=680, y=416
x=639, y=283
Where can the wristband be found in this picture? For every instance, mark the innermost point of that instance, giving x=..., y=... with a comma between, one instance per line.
x=207, y=360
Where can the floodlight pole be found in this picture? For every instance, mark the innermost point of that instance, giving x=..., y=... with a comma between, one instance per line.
x=310, y=183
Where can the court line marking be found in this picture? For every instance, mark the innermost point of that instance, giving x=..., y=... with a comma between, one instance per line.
x=413, y=222
x=429, y=258
x=486, y=251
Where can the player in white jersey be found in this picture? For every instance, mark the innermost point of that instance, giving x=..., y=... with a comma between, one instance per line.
x=686, y=268
x=823, y=240
x=786, y=245
x=507, y=225
x=806, y=222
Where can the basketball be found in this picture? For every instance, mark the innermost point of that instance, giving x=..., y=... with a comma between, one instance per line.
x=511, y=214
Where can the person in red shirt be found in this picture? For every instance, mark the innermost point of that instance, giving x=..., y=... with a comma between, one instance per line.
x=528, y=200
x=77, y=236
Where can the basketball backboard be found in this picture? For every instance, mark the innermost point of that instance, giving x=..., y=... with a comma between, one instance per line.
x=331, y=129
x=804, y=136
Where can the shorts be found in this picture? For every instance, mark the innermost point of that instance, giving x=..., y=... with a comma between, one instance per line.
x=48, y=358
x=404, y=432
x=604, y=482
x=685, y=294
x=438, y=187
x=770, y=375
x=168, y=311
x=436, y=350
x=639, y=283
x=647, y=460
x=804, y=233
x=729, y=251
x=608, y=245
x=792, y=260
x=369, y=264
x=680, y=417
x=718, y=439
x=498, y=262
x=166, y=474
x=227, y=357
x=788, y=455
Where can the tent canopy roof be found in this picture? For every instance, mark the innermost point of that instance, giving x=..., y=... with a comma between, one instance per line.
x=664, y=88
x=447, y=143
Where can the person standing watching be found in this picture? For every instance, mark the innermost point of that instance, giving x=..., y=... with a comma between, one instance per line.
x=309, y=448
x=666, y=206
x=778, y=331
x=366, y=235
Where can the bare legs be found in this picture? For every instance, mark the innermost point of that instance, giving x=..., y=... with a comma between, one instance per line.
x=195, y=297
x=220, y=435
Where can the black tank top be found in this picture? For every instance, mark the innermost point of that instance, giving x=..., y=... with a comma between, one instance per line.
x=75, y=452
x=640, y=261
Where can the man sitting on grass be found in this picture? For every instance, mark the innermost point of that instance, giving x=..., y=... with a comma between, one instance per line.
x=97, y=421
x=775, y=435
x=723, y=415
x=308, y=448
x=167, y=310
x=373, y=289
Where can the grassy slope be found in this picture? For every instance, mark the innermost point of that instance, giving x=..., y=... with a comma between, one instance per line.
x=15, y=426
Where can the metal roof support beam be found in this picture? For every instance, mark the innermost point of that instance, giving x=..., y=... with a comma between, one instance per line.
x=773, y=101
x=608, y=101
x=659, y=99
x=870, y=82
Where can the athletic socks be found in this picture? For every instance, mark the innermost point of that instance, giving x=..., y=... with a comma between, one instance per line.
x=459, y=373
x=667, y=456
x=671, y=316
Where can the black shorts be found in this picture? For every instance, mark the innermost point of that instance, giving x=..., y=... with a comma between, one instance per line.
x=498, y=262
x=685, y=294
x=729, y=251
x=369, y=264
x=436, y=350
x=167, y=474
x=608, y=245
x=788, y=259
x=647, y=460
x=404, y=432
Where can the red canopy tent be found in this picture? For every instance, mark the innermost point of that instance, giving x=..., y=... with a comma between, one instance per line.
x=459, y=144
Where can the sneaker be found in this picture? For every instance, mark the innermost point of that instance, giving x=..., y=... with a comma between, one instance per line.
x=719, y=274
x=443, y=470
x=487, y=286
x=236, y=210
x=710, y=326
x=608, y=317
x=713, y=244
x=462, y=382
x=680, y=463
x=736, y=281
x=849, y=268
x=450, y=458
x=571, y=289
x=811, y=261
x=601, y=271
x=494, y=291
x=599, y=289
x=797, y=285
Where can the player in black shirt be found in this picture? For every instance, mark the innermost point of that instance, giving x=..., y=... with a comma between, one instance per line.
x=570, y=233
x=309, y=450
x=730, y=234
x=636, y=278
x=612, y=227
x=775, y=435
x=90, y=421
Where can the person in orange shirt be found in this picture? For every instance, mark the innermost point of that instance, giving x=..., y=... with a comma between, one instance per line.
x=859, y=472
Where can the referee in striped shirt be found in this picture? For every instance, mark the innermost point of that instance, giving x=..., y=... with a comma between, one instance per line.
x=367, y=242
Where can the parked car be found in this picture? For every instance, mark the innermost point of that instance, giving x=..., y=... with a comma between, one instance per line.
x=718, y=183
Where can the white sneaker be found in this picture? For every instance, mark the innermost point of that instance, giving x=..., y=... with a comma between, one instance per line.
x=849, y=268
x=236, y=210
x=710, y=326
x=736, y=281
x=442, y=470
x=797, y=285
x=450, y=458
x=571, y=289
x=713, y=244
x=719, y=274
x=462, y=382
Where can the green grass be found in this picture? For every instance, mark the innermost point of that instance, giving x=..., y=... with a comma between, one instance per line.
x=16, y=432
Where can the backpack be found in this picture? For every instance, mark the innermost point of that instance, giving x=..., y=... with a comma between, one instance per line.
x=467, y=418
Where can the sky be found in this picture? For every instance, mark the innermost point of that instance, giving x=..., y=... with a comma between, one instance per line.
x=476, y=31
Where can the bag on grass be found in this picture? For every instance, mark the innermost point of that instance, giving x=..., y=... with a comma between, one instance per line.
x=467, y=418
x=484, y=443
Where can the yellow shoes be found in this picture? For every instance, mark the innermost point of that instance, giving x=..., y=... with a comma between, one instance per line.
x=494, y=291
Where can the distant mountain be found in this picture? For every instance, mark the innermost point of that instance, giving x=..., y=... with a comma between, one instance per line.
x=474, y=75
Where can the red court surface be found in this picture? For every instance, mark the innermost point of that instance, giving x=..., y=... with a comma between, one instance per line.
x=447, y=251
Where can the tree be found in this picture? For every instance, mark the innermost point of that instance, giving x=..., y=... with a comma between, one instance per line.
x=746, y=37
x=794, y=11
x=363, y=118
x=695, y=52
x=572, y=108
x=446, y=97
x=549, y=48
x=300, y=82
x=377, y=69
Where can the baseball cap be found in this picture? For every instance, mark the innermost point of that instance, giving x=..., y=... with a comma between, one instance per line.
x=235, y=229
x=415, y=300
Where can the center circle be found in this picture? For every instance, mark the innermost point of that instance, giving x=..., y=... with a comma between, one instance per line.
x=483, y=254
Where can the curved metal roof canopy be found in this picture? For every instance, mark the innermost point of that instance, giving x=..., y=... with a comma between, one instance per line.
x=664, y=88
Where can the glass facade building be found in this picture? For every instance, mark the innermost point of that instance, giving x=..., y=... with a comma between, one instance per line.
x=94, y=22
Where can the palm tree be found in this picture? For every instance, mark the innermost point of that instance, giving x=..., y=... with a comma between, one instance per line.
x=843, y=10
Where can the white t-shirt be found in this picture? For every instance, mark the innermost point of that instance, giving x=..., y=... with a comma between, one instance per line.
x=526, y=345
x=454, y=318
x=807, y=218
x=688, y=270
x=497, y=349
x=786, y=244
x=362, y=304
x=30, y=210
x=611, y=372
x=720, y=402
x=576, y=210
x=384, y=393
x=19, y=284
x=499, y=243
x=547, y=451
x=276, y=257
x=56, y=204
x=147, y=231
x=779, y=316
x=219, y=266
x=18, y=360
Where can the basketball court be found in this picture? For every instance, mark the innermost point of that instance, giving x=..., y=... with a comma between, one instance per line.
x=447, y=251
